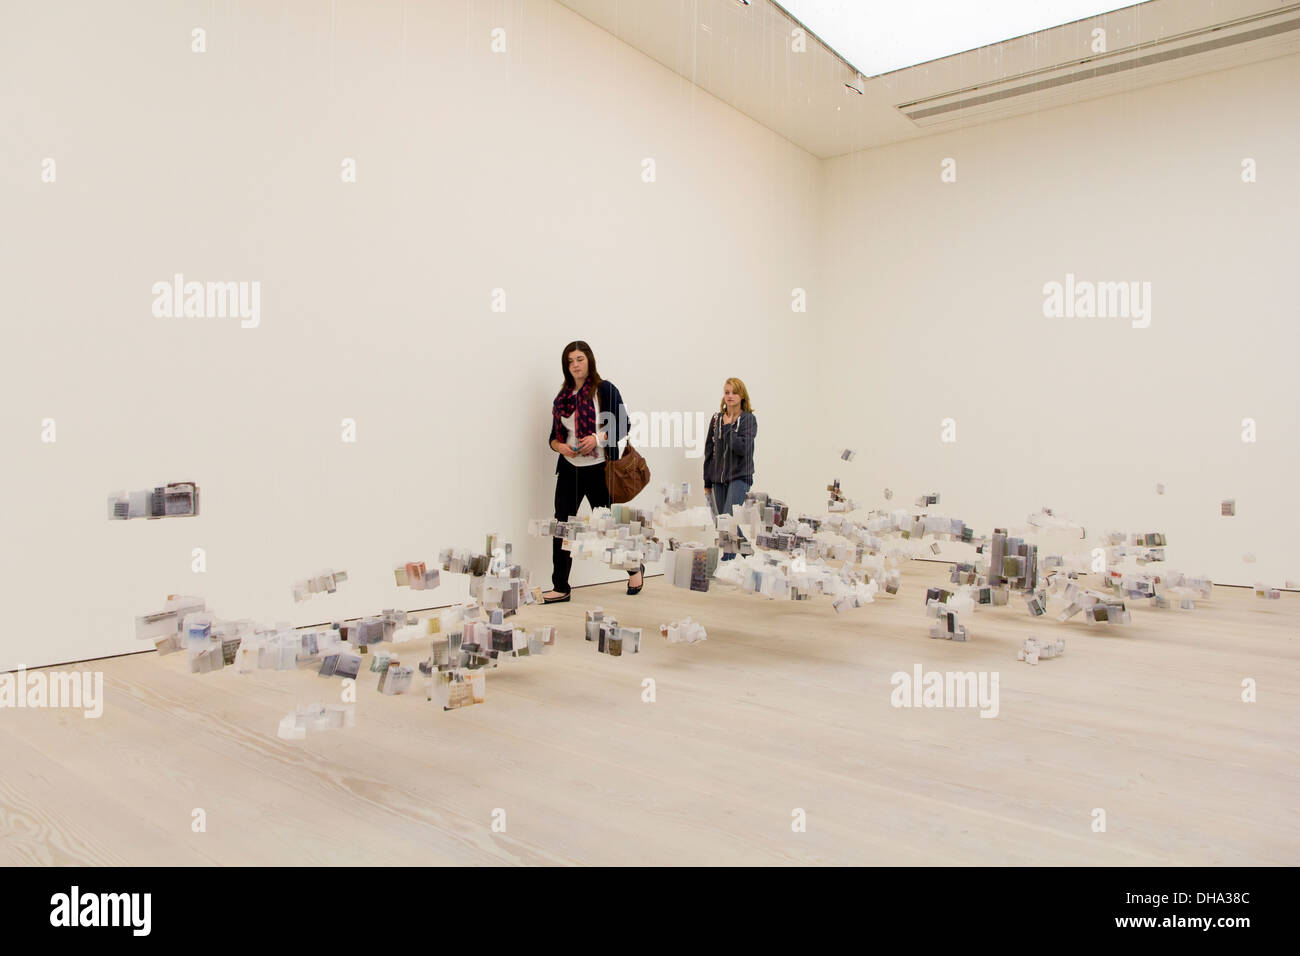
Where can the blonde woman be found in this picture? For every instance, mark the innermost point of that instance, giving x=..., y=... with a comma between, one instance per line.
x=729, y=450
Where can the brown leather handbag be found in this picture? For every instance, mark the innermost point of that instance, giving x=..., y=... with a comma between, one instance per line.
x=626, y=476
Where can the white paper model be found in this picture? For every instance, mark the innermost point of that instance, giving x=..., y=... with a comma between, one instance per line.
x=494, y=581
x=1036, y=650
x=684, y=631
x=609, y=637
x=294, y=725
x=837, y=502
x=416, y=576
x=177, y=499
x=675, y=496
x=164, y=627
x=396, y=678
x=324, y=582
x=948, y=610
x=453, y=689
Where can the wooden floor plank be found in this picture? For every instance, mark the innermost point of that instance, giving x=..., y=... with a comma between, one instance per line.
x=786, y=706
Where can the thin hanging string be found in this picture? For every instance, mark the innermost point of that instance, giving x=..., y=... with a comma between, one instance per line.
x=401, y=72
x=334, y=6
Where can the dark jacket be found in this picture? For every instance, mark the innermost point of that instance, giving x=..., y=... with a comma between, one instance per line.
x=612, y=419
x=729, y=449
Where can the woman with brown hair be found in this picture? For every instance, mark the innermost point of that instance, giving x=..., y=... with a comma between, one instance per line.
x=585, y=403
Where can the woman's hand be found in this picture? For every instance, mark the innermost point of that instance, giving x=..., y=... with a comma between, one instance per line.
x=563, y=449
x=587, y=445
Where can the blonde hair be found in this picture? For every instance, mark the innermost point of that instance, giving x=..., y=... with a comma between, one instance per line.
x=738, y=387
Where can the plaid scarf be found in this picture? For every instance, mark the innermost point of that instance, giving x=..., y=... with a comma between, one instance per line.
x=580, y=406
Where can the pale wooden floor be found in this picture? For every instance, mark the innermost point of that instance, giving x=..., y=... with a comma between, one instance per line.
x=785, y=706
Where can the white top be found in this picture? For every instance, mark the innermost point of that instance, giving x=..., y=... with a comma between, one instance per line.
x=598, y=453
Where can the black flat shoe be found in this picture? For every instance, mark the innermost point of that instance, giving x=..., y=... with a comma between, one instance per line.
x=558, y=600
x=637, y=589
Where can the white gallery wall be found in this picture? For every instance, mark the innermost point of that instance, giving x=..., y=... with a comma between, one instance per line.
x=934, y=311
x=524, y=171
x=475, y=171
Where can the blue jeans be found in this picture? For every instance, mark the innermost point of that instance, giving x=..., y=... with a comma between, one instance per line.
x=729, y=493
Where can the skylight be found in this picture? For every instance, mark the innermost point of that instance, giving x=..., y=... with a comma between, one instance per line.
x=878, y=36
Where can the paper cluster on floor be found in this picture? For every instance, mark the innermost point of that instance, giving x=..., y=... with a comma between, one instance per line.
x=684, y=631
x=464, y=640
x=689, y=564
x=730, y=540
x=621, y=537
x=760, y=548
x=791, y=558
x=185, y=624
x=394, y=676
x=609, y=636
x=495, y=580
x=463, y=645
x=164, y=627
x=1035, y=650
x=305, y=717
x=451, y=689
x=950, y=610
x=1161, y=587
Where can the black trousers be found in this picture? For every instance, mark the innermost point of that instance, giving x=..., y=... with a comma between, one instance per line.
x=572, y=484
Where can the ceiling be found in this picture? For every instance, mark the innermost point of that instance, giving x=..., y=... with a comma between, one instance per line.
x=743, y=55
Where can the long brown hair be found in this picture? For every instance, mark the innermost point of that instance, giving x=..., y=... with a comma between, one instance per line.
x=593, y=377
